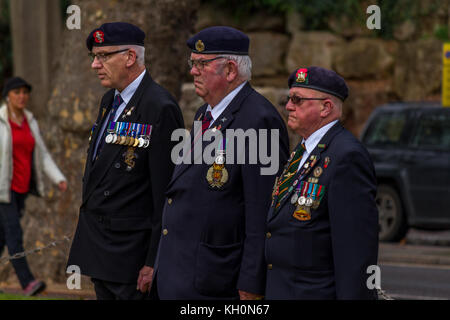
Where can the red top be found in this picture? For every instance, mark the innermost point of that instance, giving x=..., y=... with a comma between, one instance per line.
x=22, y=146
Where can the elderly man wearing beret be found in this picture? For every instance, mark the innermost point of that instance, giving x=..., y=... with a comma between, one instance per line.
x=322, y=228
x=212, y=245
x=127, y=170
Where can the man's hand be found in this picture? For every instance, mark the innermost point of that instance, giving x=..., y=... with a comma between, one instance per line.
x=243, y=295
x=145, y=279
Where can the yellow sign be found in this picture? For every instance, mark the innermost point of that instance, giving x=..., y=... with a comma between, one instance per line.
x=446, y=75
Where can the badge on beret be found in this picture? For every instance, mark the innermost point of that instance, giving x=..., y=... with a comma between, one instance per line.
x=199, y=45
x=302, y=75
x=99, y=36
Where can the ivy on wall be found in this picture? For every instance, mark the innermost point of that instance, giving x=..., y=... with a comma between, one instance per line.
x=317, y=14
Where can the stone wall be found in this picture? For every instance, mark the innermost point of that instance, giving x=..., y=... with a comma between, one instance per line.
x=377, y=71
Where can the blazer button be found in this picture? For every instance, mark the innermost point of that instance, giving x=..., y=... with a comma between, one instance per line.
x=117, y=165
x=165, y=232
x=106, y=193
x=269, y=266
x=268, y=235
x=169, y=201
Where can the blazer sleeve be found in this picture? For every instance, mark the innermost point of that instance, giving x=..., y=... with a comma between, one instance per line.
x=161, y=168
x=354, y=224
x=257, y=193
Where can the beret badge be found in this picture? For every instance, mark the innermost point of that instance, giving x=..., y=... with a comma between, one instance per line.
x=99, y=36
x=302, y=75
x=199, y=46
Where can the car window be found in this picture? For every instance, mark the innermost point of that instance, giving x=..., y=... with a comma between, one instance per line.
x=433, y=131
x=386, y=129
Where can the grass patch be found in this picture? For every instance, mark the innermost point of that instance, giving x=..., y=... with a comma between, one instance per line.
x=9, y=296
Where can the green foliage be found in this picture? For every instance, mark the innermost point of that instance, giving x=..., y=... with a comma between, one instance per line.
x=316, y=14
x=441, y=33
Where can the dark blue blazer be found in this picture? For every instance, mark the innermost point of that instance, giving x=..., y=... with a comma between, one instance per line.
x=212, y=243
x=326, y=257
x=119, y=225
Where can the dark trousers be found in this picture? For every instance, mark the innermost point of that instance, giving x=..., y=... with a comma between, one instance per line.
x=107, y=290
x=11, y=234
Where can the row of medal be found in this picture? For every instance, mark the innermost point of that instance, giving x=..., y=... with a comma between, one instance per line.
x=129, y=134
x=307, y=196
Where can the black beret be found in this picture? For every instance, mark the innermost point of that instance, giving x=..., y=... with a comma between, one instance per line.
x=219, y=39
x=320, y=79
x=14, y=83
x=115, y=34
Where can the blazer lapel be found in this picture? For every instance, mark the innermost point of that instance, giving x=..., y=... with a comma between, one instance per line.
x=105, y=108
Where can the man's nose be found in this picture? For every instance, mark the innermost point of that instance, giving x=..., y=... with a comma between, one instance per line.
x=289, y=105
x=194, y=71
x=96, y=64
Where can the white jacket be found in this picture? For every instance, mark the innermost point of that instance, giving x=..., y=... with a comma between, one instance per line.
x=42, y=161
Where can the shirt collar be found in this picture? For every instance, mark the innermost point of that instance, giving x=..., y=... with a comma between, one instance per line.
x=128, y=92
x=315, y=138
x=222, y=105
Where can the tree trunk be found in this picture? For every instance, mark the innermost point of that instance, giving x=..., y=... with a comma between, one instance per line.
x=35, y=25
x=73, y=106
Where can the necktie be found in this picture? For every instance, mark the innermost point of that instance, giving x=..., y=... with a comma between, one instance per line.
x=116, y=103
x=288, y=175
x=206, y=121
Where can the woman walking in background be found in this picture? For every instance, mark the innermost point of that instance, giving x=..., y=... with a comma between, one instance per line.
x=23, y=160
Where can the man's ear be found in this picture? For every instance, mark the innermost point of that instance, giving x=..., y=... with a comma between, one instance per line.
x=231, y=70
x=131, y=58
x=326, y=108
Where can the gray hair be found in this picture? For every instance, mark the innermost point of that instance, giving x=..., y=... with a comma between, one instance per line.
x=244, y=65
x=140, y=53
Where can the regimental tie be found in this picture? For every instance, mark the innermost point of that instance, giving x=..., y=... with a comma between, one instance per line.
x=288, y=175
x=116, y=103
x=206, y=121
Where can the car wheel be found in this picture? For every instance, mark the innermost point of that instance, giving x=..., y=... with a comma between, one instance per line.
x=391, y=218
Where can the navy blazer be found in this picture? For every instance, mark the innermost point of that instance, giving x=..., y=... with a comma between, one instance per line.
x=120, y=216
x=326, y=255
x=212, y=243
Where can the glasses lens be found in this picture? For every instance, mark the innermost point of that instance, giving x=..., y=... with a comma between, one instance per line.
x=295, y=99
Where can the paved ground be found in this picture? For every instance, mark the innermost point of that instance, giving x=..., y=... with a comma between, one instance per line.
x=430, y=248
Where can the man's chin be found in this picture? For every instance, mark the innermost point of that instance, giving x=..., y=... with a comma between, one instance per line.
x=106, y=83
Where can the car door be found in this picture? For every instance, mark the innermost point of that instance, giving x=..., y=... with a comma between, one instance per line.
x=426, y=167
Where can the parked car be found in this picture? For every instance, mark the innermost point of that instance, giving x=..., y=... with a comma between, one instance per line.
x=410, y=147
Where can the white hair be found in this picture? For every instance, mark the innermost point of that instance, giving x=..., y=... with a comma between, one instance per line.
x=140, y=52
x=244, y=64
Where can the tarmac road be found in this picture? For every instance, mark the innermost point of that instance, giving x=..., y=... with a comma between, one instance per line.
x=416, y=282
x=418, y=268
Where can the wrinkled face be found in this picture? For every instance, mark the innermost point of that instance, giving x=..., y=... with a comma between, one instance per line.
x=209, y=77
x=112, y=69
x=305, y=116
x=18, y=98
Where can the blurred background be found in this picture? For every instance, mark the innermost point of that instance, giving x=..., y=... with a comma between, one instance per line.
x=401, y=61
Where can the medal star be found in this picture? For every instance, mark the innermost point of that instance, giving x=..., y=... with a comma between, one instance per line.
x=223, y=119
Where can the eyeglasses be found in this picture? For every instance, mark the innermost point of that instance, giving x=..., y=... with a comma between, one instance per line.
x=201, y=63
x=102, y=57
x=298, y=100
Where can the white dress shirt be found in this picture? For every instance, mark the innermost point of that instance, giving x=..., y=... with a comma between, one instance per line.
x=313, y=140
